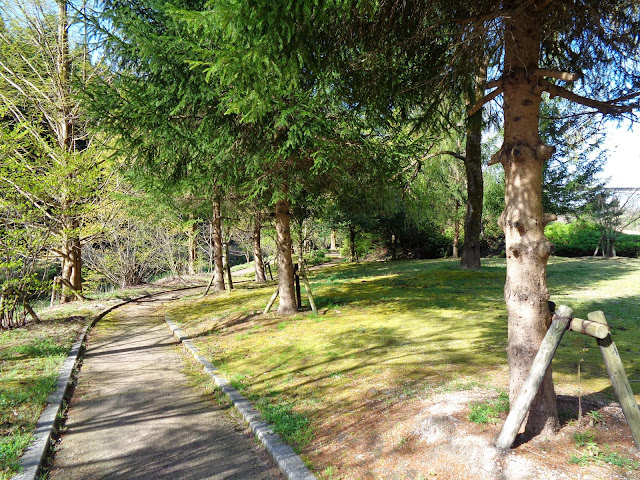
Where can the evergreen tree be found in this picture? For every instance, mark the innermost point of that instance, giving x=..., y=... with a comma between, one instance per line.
x=542, y=48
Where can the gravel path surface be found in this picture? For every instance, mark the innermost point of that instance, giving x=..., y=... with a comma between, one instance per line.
x=135, y=416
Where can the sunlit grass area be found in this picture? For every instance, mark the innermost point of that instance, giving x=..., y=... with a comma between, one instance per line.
x=398, y=330
x=29, y=362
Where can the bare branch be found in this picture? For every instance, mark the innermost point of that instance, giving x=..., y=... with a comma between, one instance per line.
x=486, y=99
x=609, y=107
x=564, y=76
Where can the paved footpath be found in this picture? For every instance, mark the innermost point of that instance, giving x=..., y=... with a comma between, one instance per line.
x=134, y=415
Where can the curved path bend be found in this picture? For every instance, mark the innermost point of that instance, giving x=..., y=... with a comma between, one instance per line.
x=134, y=414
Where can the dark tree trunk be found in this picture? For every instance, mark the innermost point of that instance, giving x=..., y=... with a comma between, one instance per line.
x=216, y=224
x=192, y=239
x=227, y=264
x=352, y=244
x=286, y=287
x=257, y=250
x=475, y=193
x=522, y=156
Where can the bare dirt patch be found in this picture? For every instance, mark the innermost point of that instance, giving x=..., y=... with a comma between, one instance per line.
x=432, y=438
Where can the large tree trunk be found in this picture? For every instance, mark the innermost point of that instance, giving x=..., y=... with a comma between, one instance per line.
x=76, y=263
x=218, y=269
x=522, y=155
x=192, y=239
x=287, y=303
x=71, y=262
x=71, y=259
x=257, y=250
x=475, y=192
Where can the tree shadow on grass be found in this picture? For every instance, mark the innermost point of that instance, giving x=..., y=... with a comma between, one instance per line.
x=623, y=316
x=458, y=317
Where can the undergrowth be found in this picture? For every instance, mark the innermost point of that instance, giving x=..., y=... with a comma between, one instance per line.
x=591, y=453
x=489, y=412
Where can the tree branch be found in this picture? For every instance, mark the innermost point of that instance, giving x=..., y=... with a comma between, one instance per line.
x=481, y=18
x=564, y=76
x=486, y=99
x=35, y=201
x=609, y=107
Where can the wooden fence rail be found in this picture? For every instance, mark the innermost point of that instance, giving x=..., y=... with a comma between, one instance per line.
x=596, y=326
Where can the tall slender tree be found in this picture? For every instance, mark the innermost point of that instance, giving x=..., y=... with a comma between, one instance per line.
x=40, y=75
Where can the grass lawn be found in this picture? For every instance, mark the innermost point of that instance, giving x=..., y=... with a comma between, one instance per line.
x=393, y=331
x=30, y=358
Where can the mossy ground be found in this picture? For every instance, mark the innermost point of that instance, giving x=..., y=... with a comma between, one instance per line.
x=393, y=331
x=386, y=331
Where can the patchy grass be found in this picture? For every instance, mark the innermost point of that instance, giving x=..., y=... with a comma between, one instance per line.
x=589, y=452
x=30, y=358
x=395, y=331
x=489, y=412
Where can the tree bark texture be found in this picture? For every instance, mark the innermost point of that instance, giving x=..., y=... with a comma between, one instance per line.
x=333, y=240
x=218, y=270
x=71, y=262
x=352, y=244
x=475, y=192
x=193, y=248
x=286, y=287
x=72, y=248
x=257, y=250
x=522, y=156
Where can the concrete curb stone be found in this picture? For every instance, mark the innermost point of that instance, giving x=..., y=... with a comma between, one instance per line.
x=33, y=458
x=287, y=460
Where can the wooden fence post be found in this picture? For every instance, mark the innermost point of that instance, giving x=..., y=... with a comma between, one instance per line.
x=619, y=380
x=307, y=286
x=541, y=362
x=271, y=302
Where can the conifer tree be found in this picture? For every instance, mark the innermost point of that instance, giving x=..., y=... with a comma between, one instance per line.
x=56, y=167
x=583, y=53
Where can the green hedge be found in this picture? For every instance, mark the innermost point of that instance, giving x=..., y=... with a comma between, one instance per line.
x=579, y=239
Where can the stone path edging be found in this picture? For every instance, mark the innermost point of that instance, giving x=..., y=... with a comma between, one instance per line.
x=287, y=460
x=34, y=456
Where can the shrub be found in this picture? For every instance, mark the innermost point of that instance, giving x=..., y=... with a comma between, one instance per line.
x=580, y=239
x=628, y=245
x=577, y=239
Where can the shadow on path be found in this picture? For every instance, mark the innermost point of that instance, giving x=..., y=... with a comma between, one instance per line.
x=135, y=416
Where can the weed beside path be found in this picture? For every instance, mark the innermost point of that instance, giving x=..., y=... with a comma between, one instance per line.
x=30, y=358
x=393, y=333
